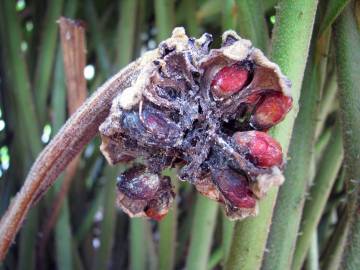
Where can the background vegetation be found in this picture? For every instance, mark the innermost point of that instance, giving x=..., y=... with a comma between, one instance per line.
x=307, y=223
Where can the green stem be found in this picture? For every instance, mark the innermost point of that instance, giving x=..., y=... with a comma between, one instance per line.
x=347, y=41
x=202, y=233
x=107, y=226
x=97, y=37
x=164, y=14
x=335, y=246
x=137, y=246
x=229, y=16
x=312, y=261
x=326, y=103
x=291, y=39
x=167, y=228
x=290, y=199
x=319, y=193
x=126, y=32
x=46, y=57
x=227, y=234
x=251, y=23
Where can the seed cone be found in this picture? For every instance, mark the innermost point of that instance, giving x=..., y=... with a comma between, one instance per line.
x=204, y=111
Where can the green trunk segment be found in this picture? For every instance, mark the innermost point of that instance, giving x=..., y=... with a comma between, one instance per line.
x=347, y=44
x=28, y=237
x=19, y=80
x=312, y=260
x=227, y=234
x=318, y=195
x=164, y=15
x=208, y=9
x=64, y=240
x=249, y=237
x=326, y=102
x=107, y=227
x=167, y=245
x=290, y=201
x=332, y=255
x=215, y=258
x=229, y=15
x=138, y=252
x=333, y=10
x=125, y=41
x=290, y=45
x=97, y=37
x=46, y=57
x=202, y=233
x=168, y=230
x=192, y=27
x=251, y=23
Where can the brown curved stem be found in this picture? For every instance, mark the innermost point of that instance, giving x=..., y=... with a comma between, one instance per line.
x=70, y=140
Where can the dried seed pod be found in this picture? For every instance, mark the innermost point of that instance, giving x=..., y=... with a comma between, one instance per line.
x=199, y=109
x=235, y=188
x=141, y=193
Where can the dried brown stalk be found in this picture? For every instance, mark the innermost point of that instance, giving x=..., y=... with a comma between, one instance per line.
x=70, y=140
x=72, y=36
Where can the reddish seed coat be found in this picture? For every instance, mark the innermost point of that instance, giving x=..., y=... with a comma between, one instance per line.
x=271, y=111
x=235, y=188
x=229, y=80
x=155, y=215
x=265, y=150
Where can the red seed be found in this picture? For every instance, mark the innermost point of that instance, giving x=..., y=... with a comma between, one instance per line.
x=271, y=111
x=234, y=188
x=264, y=150
x=229, y=80
x=154, y=214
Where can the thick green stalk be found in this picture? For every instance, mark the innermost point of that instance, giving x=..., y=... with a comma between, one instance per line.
x=215, y=258
x=208, y=9
x=107, y=226
x=291, y=39
x=347, y=44
x=326, y=103
x=64, y=240
x=97, y=37
x=46, y=57
x=192, y=26
x=168, y=230
x=227, y=234
x=333, y=10
x=19, y=83
x=291, y=197
x=11, y=36
x=201, y=233
x=229, y=15
x=319, y=193
x=251, y=23
x=332, y=256
x=164, y=14
x=138, y=252
x=312, y=261
x=126, y=32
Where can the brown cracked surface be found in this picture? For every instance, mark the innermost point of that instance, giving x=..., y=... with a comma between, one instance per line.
x=203, y=110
